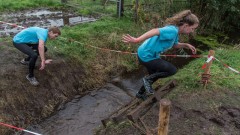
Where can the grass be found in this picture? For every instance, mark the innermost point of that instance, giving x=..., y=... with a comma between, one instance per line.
x=104, y=33
x=221, y=77
x=12, y=5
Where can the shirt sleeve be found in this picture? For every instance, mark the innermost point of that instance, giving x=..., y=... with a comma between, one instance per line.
x=42, y=35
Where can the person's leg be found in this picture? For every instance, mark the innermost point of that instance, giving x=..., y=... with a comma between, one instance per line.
x=33, y=58
x=157, y=68
x=34, y=48
x=141, y=93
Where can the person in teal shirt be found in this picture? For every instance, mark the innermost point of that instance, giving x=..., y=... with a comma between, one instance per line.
x=159, y=40
x=31, y=41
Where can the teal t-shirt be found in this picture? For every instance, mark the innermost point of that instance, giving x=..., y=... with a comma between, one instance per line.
x=31, y=35
x=154, y=46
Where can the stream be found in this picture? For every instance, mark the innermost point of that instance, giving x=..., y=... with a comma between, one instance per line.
x=84, y=114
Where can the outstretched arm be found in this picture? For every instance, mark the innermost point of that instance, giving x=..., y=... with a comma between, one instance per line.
x=186, y=45
x=129, y=39
x=41, y=53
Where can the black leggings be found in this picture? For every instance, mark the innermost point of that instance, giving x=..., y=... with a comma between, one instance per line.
x=160, y=67
x=32, y=51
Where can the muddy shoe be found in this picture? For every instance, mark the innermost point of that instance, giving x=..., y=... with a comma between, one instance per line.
x=24, y=62
x=141, y=96
x=32, y=80
x=148, y=87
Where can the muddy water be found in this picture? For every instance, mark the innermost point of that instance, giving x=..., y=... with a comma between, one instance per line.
x=83, y=114
x=40, y=17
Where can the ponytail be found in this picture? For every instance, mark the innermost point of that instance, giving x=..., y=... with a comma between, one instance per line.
x=182, y=17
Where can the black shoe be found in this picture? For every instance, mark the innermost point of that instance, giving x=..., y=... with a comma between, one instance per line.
x=141, y=96
x=24, y=62
x=148, y=86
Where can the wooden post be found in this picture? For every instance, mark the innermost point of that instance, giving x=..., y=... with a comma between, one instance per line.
x=64, y=1
x=136, y=11
x=164, y=114
x=120, y=10
x=211, y=53
x=206, y=74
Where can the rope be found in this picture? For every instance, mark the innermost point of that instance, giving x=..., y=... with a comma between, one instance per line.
x=225, y=65
x=14, y=25
x=17, y=128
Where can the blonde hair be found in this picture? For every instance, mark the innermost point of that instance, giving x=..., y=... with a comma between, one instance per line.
x=54, y=30
x=182, y=17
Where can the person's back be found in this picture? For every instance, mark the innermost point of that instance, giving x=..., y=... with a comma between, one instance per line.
x=31, y=35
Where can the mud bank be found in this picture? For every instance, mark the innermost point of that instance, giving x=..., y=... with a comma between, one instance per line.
x=23, y=104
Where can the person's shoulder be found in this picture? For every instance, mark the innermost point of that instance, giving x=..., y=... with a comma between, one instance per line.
x=170, y=28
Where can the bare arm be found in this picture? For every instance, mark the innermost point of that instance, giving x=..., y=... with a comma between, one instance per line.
x=129, y=39
x=187, y=46
x=41, y=53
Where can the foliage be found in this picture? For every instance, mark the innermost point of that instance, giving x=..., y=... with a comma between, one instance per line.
x=217, y=14
x=209, y=41
x=156, y=12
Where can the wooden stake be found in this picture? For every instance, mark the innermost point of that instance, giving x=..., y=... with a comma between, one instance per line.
x=206, y=75
x=164, y=114
x=207, y=70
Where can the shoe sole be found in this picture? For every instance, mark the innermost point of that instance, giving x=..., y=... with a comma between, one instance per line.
x=24, y=63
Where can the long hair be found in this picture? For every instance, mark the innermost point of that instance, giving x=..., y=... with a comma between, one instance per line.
x=182, y=17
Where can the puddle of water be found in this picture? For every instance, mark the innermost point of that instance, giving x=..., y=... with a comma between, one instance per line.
x=42, y=18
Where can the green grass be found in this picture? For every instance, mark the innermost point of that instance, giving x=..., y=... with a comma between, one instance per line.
x=221, y=77
x=11, y=5
x=104, y=33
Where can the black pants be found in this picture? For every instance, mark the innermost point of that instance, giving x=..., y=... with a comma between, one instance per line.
x=32, y=51
x=157, y=68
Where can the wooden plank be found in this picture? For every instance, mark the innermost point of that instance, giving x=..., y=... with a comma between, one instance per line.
x=116, y=115
x=137, y=112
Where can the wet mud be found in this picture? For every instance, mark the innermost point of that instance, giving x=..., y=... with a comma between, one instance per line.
x=42, y=18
